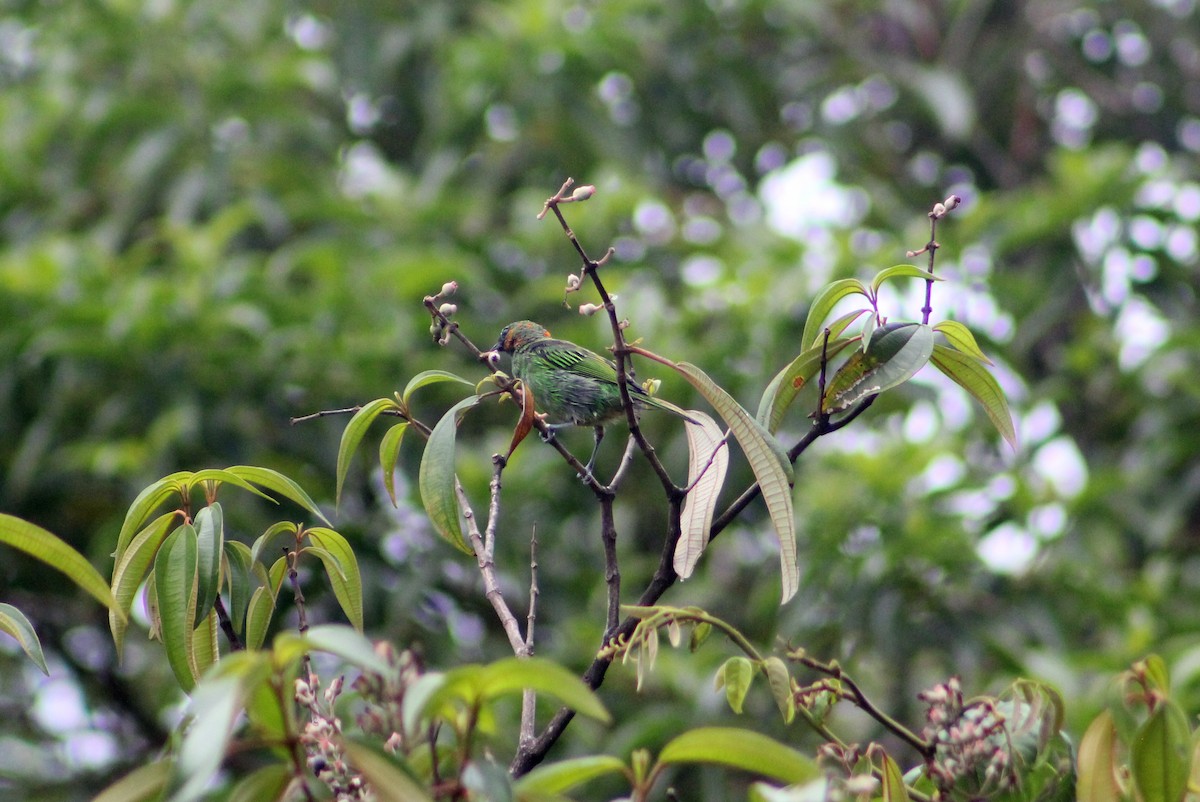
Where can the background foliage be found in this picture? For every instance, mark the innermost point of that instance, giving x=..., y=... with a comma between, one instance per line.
x=216, y=216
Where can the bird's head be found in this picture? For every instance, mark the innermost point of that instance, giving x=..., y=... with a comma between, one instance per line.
x=515, y=335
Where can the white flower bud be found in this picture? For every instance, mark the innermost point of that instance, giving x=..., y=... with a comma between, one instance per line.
x=589, y=309
x=448, y=309
x=939, y=211
x=952, y=202
x=449, y=288
x=573, y=282
x=583, y=193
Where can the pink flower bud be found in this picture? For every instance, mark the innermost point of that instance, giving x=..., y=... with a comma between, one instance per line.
x=583, y=193
x=449, y=288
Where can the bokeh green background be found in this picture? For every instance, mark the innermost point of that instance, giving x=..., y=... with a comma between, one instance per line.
x=215, y=216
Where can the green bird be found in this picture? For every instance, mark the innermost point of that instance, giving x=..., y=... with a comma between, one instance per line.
x=572, y=385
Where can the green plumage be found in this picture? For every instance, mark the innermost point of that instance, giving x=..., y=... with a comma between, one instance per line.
x=572, y=385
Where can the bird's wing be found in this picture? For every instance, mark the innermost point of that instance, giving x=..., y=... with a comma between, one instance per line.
x=568, y=356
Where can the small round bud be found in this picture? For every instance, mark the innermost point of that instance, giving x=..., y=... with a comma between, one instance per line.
x=493, y=357
x=449, y=288
x=448, y=309
x=939, y=210
x=952, y=202
x=583, y=193
x=573, y=282
x=589, y=309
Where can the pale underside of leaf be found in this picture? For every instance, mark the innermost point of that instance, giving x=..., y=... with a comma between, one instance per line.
x=708, y=462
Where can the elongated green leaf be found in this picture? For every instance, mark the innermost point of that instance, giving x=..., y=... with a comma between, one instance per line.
x=976, y=380
x=131, y=569
x=781, y=687
x=37, y=542
x=175, y=592
x=961, y=339
x=708, y=462
x=513, y=674
x=262, y=605
x=276, y=482
x=215, y=706
x=769, y=464
x=1156, y=673
x=788, y=383
x=210, y=545
x=14, y=622
x=205, y=649
x=436, y=476
x=346, y=581
x=896, y=352
x=264, y=540
x=143, y=784
x=823, y=304
x=428, y=377
x=894, y=789
x=1160, y=755
x=735, y=676
x=556, y=778
x=336, y=639
x=147, y=502
x=268, y=784
x=389, y=454
x=237, y=574
x=1096, y=778
x=740, y=749
x=390, y=781
x=900, y=271
x=223, y=476
x=353, y=435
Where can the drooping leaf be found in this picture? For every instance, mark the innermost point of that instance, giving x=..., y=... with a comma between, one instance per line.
x=346, y=580
x=557, y=778
x=740, y=749
x=129, y=571
x=147, y=501
x=221, y=476
x=428, y=377
x=961, y=339
x=823, y=304
x=37, y=542
x=353, y=434
x=278, y=483
x=708, y=463
x=900, y=271
x=264, y=540
x=237, y=575
x=735, y=676
x=781, y=687
x=175, y=600
x=788, y=383
x=973, y=377
x=348, y=644
x=210, y=544
x=770, y=465
x=215, y=705
x=1161, y=754
x=1096, y=777
x=389, y=454
x=896, y=352
x=14, y=622
x=436, y=476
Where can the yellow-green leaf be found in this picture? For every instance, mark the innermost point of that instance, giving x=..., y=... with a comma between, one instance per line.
x=268, y=784
x=147, y=501
x=973, y=377
x=736, y=675
x=708, y=462
x=1096, y=771
x=436, y=476
x=961, y=339
x=275, y=481
x=740, y=749
x=788, y=383
x=390, y=781
x=823, y=304
x=557, y=778
x=769, y=464
x=781, y=687
x=143, y=784
x=37, y=542
x=1161, y=754
x=346, y=580
x=130, y=570
x=14, y=622
x=389, y=454
x=427, y=377
x=894, y=789
x=901, y=271
x=209, y=524
x=353, y=435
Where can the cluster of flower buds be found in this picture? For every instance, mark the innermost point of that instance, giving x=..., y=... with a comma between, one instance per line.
x=940, y=210
x=322, y=743
x=439, y=329
x=383, y=696
x=971, y=742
